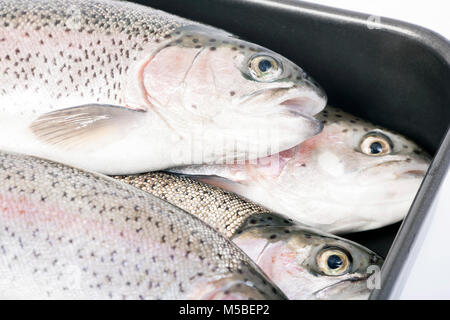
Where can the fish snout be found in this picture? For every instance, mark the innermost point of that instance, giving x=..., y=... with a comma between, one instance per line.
x=307, y=101
x=309, y=125
x=301, y=106
x=398, y=167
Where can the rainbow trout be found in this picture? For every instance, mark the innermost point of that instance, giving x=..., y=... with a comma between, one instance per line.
x=121, y=88
x=304, y=262
x=71, y=234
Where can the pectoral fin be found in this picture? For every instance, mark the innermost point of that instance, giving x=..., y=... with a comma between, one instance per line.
x=84, y=126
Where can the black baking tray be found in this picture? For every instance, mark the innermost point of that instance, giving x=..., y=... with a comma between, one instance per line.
x=392, y=73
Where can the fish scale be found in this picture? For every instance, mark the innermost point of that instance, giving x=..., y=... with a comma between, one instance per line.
x=71, y=234
x=224, y=211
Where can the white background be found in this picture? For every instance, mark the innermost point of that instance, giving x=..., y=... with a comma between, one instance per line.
x=427, y=271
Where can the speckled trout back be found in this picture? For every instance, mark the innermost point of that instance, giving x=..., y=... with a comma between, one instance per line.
x=71, y=234
x=223, y=210
x=71, y=53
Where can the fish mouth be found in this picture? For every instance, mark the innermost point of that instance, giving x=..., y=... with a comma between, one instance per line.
x=302, y=105
x=351, y=288
x=297, y=101
x=305, y=103
x=411, y=171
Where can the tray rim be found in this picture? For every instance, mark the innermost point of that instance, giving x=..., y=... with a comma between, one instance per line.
x=440, y=46
x=427, y=37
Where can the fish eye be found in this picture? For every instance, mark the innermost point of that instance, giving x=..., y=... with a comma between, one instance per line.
x=376, y=144
x=333, y=261
x=265, y=68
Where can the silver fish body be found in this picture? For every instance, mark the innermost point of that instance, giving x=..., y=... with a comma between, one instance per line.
x=71, y=234
x=296, y=257
x=120, y=88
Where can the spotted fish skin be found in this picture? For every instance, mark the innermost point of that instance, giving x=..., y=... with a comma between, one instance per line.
x=61, y=68
x=224, y=211
x=71, y=234
x=67, y=42
x=286, y=251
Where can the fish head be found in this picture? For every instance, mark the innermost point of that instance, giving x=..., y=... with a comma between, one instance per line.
x=309, y=264
x=233, y=93
x=362, y=170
